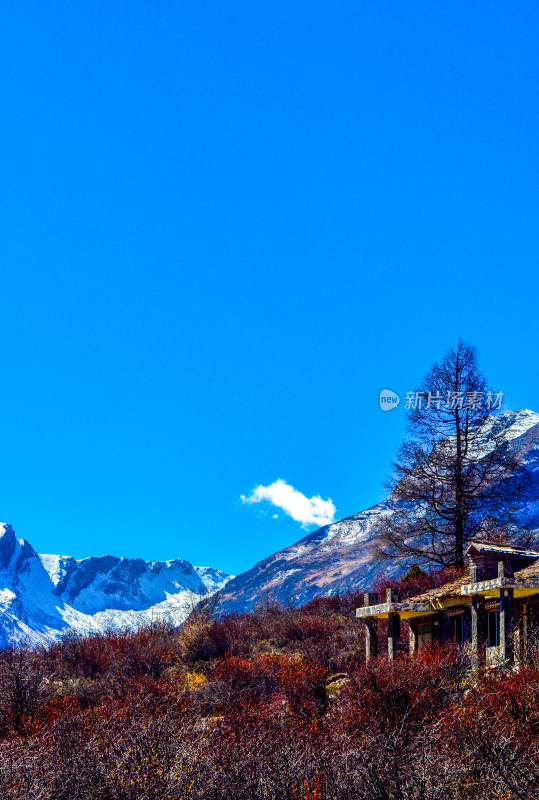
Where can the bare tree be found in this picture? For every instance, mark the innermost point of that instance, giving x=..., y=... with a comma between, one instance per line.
x=450, y=478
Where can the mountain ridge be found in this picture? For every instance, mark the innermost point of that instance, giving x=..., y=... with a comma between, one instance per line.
x=43, y=596
x=342, y=556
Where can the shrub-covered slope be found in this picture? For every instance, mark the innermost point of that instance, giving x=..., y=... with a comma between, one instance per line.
x=271, y=705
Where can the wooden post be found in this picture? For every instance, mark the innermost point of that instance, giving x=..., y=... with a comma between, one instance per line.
x=506, y=624
x=371, y=638
x=393, y=635
x=393, y=625
x=478, y=644
x=517, y=634
x=412, y=637
x=371, y=628
x=524, y=635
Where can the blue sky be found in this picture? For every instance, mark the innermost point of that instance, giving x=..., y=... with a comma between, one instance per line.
x=226, y=227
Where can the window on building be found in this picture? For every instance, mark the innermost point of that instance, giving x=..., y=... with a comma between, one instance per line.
x=458, y=629
x=493, y=634
x=424, y=634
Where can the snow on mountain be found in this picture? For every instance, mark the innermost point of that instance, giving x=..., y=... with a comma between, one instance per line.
x=213, y=579
x=43, y=596
x=341, y=556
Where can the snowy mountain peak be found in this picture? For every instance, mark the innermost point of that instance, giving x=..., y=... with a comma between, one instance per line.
x=13, y=552
x=519, y=421
x=213, y=579
x=8, y=543
x=42, y=596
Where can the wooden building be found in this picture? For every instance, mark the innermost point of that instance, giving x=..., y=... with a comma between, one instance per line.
x=493, y=607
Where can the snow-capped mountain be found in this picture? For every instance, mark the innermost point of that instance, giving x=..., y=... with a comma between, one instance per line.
x=341, y=556
x=43, y=596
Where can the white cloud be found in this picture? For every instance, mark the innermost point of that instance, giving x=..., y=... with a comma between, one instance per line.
x=306, y=510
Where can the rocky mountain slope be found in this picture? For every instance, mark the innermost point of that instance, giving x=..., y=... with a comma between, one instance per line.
x=341, y=556
x=43, y=596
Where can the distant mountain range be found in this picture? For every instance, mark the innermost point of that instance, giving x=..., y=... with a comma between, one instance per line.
x=341, y=556
x=44, y=596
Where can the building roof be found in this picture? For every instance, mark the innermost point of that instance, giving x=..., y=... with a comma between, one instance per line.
x=450, y=589
x=502, y=548
x=531, y=571
x=529, y=576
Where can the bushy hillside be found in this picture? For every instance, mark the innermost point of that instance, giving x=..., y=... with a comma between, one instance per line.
x=276, y=704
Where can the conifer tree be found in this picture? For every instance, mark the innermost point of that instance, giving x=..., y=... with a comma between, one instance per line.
x=449, y=482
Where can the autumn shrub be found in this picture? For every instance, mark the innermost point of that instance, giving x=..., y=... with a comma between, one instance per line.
x=274, y=704
x=319, y=631
x=495, y=728
x=147, y=651
x=235, y=681
x=22, y=687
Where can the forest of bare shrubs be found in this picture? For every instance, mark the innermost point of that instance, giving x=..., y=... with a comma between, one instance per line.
x=277, y=704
